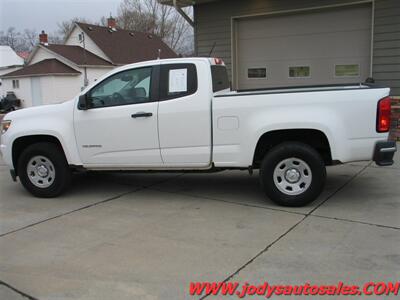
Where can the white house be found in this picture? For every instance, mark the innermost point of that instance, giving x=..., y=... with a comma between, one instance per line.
x=9, y=62
x=56, y=73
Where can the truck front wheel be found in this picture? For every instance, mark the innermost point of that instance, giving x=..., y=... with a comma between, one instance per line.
x=43, y=170
x=292, y=174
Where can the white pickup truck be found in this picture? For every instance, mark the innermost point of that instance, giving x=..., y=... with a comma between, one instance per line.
x=180, y=114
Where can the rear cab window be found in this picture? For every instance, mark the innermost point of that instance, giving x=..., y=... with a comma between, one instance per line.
x=220, y=78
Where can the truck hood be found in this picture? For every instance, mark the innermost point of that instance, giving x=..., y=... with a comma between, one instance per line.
x=40, y=112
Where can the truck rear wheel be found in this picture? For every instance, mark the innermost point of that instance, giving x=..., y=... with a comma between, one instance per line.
x=292, y=174
x=43, y=170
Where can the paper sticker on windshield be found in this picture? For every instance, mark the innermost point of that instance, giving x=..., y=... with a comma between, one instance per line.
x=177, y=81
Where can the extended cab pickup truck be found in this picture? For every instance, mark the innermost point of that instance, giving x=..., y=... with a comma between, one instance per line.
x=181, y=115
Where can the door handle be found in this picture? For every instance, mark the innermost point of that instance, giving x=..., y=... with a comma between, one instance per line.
x=142, y=115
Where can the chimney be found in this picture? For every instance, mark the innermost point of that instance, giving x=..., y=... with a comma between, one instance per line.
x=43, y=38
x=111, y=23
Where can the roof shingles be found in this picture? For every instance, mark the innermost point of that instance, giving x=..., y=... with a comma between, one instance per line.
x=125, y=46
x=50, y=66
x=78, y=55
x=120, y=46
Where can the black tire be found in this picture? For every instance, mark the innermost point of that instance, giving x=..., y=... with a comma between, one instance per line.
x=287, y=151
x=55, y=155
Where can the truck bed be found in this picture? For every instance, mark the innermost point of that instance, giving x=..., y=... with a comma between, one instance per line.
x=346, y=114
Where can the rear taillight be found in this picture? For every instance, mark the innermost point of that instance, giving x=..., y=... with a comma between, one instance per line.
x=383, y=117
x=218, y=61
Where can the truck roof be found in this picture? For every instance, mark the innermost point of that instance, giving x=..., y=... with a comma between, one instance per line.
x=211, y=60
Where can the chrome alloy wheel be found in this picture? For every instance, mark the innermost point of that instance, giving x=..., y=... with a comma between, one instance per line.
x=41, y=171
x=292, y=176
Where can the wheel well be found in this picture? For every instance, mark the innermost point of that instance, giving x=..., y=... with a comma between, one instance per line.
x=314, y=138
x=21, y=143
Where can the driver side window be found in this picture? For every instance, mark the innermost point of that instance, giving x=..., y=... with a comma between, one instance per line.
x=127, y=87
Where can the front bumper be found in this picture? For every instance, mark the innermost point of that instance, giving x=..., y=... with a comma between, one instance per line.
x=3, y=155
x=13, y=175
x=384, y=153
x=5, y=150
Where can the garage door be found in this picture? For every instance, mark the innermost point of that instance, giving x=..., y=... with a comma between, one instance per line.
x=323, y=47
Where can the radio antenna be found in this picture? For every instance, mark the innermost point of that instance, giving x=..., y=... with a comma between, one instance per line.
x=212, y=49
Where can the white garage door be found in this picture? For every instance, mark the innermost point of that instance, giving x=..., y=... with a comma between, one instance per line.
x=322, y=47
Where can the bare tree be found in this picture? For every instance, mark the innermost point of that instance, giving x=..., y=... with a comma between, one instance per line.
x=65, y=27
x=26, y=40
x=30, y=37
x=161, y=20
x=103, y=21
x=12, y=38
x=55, y=38
x=132, y=15
x=179, y=35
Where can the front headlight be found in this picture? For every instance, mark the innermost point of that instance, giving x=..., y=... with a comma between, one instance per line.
x=5, y=125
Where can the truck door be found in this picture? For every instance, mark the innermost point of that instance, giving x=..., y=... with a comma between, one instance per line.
x=184, y=115
x=120, y=127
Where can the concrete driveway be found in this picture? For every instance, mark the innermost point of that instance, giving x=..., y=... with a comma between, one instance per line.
x=120, y=236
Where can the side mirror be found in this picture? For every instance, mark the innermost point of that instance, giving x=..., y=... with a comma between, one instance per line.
x=84, y=103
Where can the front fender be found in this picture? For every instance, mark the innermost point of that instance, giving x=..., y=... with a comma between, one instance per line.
x=52, y=120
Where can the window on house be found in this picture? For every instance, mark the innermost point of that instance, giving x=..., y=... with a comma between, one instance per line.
x=299, y=72
x=15, y=84
x=351, y=70
x=257, y=73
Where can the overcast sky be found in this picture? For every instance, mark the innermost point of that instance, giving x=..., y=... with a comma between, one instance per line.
x=45, y=14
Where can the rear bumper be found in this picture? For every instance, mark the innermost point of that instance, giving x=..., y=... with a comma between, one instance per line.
x=384, y=152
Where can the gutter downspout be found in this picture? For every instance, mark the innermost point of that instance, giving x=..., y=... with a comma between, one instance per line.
x=183, y=14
